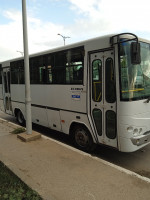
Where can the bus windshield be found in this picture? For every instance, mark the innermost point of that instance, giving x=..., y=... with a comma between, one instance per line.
x=134, y=79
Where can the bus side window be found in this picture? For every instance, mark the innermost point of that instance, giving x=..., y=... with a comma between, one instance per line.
x=49, y=62
x=33, y=71
x=21, y=78
x=42, y=73
x=17, y=72
x=38, y=70
x=58, y=71
x=74, y=66
x=49, y=74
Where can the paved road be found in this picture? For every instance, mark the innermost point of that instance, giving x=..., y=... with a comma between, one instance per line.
x=138, y=161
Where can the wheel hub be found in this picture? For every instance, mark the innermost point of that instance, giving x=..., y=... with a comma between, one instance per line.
x=81, y=138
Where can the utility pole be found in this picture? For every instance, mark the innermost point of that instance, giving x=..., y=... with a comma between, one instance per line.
x=64, y=37
x=26, y=69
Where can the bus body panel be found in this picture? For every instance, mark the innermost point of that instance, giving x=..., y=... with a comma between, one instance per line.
x=134, y=121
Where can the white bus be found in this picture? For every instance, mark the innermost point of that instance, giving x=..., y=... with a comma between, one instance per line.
x=97, y=91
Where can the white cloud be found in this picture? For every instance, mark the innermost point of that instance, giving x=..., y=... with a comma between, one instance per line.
x=113, y=16
x=41, y=35
x=10, y=34
x=93, y=18
x=84, y=6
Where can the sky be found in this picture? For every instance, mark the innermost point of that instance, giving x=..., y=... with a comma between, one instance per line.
x=77, y=19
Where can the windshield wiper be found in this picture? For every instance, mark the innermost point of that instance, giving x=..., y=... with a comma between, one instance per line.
x=147, y=100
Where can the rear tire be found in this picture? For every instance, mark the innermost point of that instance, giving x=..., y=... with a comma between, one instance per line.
x=83, y=139
x=20, y=118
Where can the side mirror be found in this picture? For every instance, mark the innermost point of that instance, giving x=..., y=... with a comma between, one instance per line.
x=135, y=53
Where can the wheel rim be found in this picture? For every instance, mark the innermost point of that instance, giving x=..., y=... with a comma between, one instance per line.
x=81, y=138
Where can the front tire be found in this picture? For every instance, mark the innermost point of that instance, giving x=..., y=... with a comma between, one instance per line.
x=20, y=118
x=83, y=139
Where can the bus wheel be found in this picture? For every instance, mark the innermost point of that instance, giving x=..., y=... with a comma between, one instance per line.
x=20, y=118
x=82, y=139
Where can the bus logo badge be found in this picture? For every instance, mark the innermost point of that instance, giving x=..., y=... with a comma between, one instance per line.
x=76, y=97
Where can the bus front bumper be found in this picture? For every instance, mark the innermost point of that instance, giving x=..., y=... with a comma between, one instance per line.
x=141, y=139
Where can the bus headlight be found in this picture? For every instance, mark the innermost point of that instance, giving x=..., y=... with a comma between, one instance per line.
x=135, y=131
x=130, y=129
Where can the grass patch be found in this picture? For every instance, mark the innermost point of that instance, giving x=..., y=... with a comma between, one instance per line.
x=18, y=130
x=12, y=188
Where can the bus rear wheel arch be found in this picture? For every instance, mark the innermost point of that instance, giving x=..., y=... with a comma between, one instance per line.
x=19, y=116
x=82, y=138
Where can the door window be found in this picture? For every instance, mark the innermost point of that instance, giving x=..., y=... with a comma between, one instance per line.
x=97, y=115
x=5, y=82
x=8, y=77
x=111, y=124
x=110, y=94
x=97, y=80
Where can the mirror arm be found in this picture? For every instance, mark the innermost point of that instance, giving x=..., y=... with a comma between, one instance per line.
x=118, y=38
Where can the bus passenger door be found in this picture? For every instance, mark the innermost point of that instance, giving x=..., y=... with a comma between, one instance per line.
x=103, y=97
x=6, y=91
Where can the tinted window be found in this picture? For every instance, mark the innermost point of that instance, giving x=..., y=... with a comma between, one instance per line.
x=97, y=115
x=49, y=60
x=37, y=70
x=110, y=93
x=111, y=124
x=8, y=79
x=14, y=73
x=5, y=82
x=17, y=72
x=74, y=66
x=58, y=71
x=65, y=67
x=21, y=73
